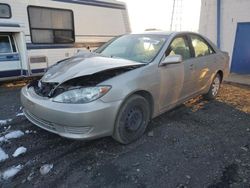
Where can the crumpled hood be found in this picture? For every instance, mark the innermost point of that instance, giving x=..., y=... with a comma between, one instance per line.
x=82, y=65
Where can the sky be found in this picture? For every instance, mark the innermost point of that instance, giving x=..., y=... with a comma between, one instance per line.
x=144, y=14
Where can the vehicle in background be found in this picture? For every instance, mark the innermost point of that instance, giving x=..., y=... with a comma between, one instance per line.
x=125, y=83
x=35, y=34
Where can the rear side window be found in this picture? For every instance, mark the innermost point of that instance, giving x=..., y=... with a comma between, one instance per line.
x=201, y=48
x=5, y=45
x=179, y=46
x=5, y=11
x=50, y=26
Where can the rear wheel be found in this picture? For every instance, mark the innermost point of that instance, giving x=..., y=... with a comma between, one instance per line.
x=132, y=119
x=214, y=88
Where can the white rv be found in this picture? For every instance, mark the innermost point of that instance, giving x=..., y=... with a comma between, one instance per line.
x=35, y=34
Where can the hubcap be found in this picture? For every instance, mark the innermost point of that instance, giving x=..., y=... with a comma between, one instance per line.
x=133, y=119
x=215, y=86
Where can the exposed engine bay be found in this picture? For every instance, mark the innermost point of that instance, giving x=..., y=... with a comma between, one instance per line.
x=52, y=89
x=86, y=69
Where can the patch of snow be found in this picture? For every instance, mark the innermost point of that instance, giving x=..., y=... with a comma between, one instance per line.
x=10, y=172
x=20, y=114
x=30, y=131
x=10, y=135
x=3, y=155
x=4, y=122
x=7, y=128
x=45, y=169
x=19, y=151
x=14, y=134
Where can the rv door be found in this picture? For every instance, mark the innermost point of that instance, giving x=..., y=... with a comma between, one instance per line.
x=10, y=65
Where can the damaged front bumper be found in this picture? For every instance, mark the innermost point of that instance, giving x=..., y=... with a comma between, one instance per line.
x=75, y=121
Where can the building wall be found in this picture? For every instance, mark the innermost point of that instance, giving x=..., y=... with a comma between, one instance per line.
x=208, y=19
x=232, y=12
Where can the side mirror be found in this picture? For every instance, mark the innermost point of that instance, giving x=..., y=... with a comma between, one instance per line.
x=174, y=59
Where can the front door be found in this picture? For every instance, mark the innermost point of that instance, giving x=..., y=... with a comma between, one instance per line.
x=176, y=79
x=10, y=65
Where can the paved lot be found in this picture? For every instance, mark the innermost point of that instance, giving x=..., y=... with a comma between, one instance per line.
x=199, y=144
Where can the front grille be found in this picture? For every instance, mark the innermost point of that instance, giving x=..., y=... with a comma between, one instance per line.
x=38, y=121
x=77, y=130
x=43, y=89
x=56, y=128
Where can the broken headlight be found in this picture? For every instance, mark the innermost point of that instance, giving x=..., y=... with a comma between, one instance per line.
x=82, y=95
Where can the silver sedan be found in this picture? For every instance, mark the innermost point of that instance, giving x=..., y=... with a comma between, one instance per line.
x=116, y=90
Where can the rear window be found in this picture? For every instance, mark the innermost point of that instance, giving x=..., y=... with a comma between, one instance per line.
x=5, y=11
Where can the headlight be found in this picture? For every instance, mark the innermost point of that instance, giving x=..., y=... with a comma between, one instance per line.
x=82, y=95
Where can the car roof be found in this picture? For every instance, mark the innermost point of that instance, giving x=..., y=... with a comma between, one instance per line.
x=172, y=34
x=167, y=33
x=154, y=32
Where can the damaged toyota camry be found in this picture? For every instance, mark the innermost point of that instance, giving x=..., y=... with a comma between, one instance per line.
x=117, y=89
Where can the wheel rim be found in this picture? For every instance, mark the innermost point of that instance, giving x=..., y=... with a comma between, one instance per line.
x=215, y=86
x=134, y=119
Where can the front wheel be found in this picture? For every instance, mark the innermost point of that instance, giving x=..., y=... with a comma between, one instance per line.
x=214, y=88
x=132, y=119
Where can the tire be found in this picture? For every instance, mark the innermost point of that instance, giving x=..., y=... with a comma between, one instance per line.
x=214, y=88
x=132, y=119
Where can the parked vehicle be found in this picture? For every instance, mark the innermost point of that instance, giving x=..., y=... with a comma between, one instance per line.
x=125, y=83
x=35, y=34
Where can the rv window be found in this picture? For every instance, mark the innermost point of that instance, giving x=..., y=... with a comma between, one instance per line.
x=49, y=25
x=5, y=11
x=5, y=45
x=13, y=45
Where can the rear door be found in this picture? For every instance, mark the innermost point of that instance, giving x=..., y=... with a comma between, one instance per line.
x=10, y=65
x=204, y=61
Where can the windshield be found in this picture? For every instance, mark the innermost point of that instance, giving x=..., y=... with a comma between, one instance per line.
x=140, y=48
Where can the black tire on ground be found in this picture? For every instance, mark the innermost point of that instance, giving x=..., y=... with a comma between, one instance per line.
x=214, y=88
x=132, y=119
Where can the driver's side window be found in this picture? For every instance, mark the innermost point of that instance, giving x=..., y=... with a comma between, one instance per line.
x=179, y=46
